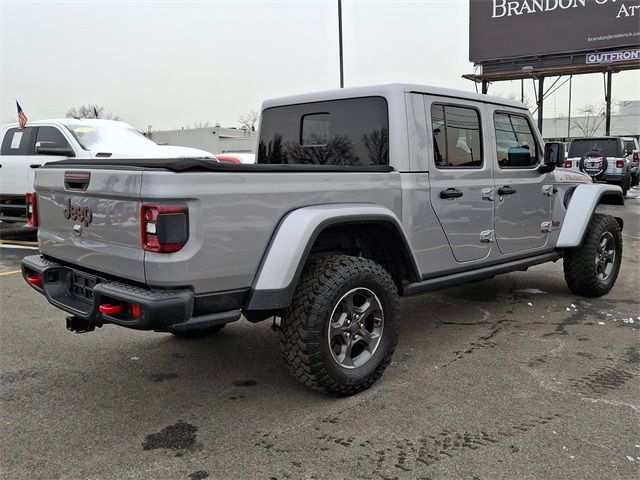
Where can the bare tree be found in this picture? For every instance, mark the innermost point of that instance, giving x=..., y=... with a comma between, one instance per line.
x=86, y=111
x=589, y=119
x=377, y=145
x=249, y=120
x=338, y=151
x=206, y=124
x=530, y=104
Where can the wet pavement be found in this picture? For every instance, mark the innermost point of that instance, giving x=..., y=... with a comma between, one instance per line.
x=510, y=378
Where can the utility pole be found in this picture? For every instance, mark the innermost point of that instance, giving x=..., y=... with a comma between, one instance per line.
x=340, y=43
x=540, y=102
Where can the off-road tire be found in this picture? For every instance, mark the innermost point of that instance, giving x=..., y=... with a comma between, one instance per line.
x=200, y=333
x=304, y=327
x=580, y=263
x=625, y=185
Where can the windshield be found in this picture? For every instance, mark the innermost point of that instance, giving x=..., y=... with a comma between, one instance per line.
x=110, y=137
x=609, y=147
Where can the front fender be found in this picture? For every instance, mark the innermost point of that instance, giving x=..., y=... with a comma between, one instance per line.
x=287, y=252
x=581, y=207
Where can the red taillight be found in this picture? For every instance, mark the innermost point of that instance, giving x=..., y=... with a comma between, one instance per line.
x=135, y=310
x=567, y=164
x=110, y=309
x=224, y=157
x=619, y=163
x=34, y=279
x=164, y=228
x=32, y=209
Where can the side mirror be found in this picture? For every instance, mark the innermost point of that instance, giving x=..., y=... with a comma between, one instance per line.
x=51, y=148
x=553, y=156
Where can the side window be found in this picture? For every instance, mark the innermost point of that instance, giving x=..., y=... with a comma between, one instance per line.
x=456, y=136
x=350, y=132
x=18, y=141
x=51, y=134
x=516, y=144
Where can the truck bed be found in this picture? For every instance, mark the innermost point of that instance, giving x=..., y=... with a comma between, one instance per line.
x=233, y=211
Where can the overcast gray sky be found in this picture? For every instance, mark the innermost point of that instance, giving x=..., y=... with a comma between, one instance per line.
x=172, y=63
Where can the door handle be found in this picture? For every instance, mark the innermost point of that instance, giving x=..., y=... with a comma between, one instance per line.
x=506, y=190
x=35, y=165
x=451, y=193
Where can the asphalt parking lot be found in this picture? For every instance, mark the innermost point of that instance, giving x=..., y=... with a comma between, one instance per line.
x=511, y=378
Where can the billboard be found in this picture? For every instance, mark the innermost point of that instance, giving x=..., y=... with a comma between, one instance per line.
x=502, y=29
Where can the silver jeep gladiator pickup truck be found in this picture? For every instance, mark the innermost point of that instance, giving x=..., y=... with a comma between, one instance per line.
x=359, y=196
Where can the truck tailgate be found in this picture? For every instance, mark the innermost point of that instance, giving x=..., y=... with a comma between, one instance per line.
x=92, y=218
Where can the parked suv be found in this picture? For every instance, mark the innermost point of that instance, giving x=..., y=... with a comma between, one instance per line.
x=632, y=153
x=602, y=158
x=359, y=196
x=23, y=150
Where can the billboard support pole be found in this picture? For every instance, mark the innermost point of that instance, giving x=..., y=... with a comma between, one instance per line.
x=607, y=97
x=569, y=115
x=540, y=101
x=340, y=43
x=485, y=87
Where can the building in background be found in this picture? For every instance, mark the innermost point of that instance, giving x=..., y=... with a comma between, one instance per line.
x=213, y=139
x=589, y=124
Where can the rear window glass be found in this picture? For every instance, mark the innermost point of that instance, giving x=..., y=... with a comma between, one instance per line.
x=609, y=147
x=351, y=132
x=18, y=141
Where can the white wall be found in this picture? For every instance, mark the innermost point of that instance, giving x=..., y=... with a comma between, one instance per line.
x=213, y=139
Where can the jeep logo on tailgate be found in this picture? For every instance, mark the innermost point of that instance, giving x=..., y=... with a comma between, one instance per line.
x=78, y=213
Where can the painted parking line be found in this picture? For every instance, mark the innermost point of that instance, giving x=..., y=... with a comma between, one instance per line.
x=12, y=272
x=19, y=247
x=19, y=242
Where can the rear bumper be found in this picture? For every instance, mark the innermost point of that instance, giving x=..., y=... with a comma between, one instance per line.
x=13, y=208
x=615, y=177
x=161, y=310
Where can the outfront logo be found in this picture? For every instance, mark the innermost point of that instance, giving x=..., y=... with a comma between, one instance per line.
x=78, y=213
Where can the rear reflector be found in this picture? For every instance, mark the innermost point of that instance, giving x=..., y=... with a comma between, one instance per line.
x=35, y=280
x=619, y=164
x=109, y=309
x=164, y=228
x=567, y=164
x=32, y=209
x=135, y=310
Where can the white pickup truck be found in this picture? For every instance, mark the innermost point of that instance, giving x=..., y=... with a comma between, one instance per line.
x=24, y=150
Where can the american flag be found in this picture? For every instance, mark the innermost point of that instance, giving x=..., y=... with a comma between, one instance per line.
x=22, y=118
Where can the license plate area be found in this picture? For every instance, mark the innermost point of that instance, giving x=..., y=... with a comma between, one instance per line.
x=80, y=285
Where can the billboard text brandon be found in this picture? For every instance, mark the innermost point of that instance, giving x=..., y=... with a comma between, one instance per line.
x=508, y=8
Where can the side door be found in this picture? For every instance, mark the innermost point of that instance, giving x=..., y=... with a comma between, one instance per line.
x=460, y=176
x=523, y=194
x=16, y=153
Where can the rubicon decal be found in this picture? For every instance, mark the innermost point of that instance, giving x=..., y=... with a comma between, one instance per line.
x=78, y=213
